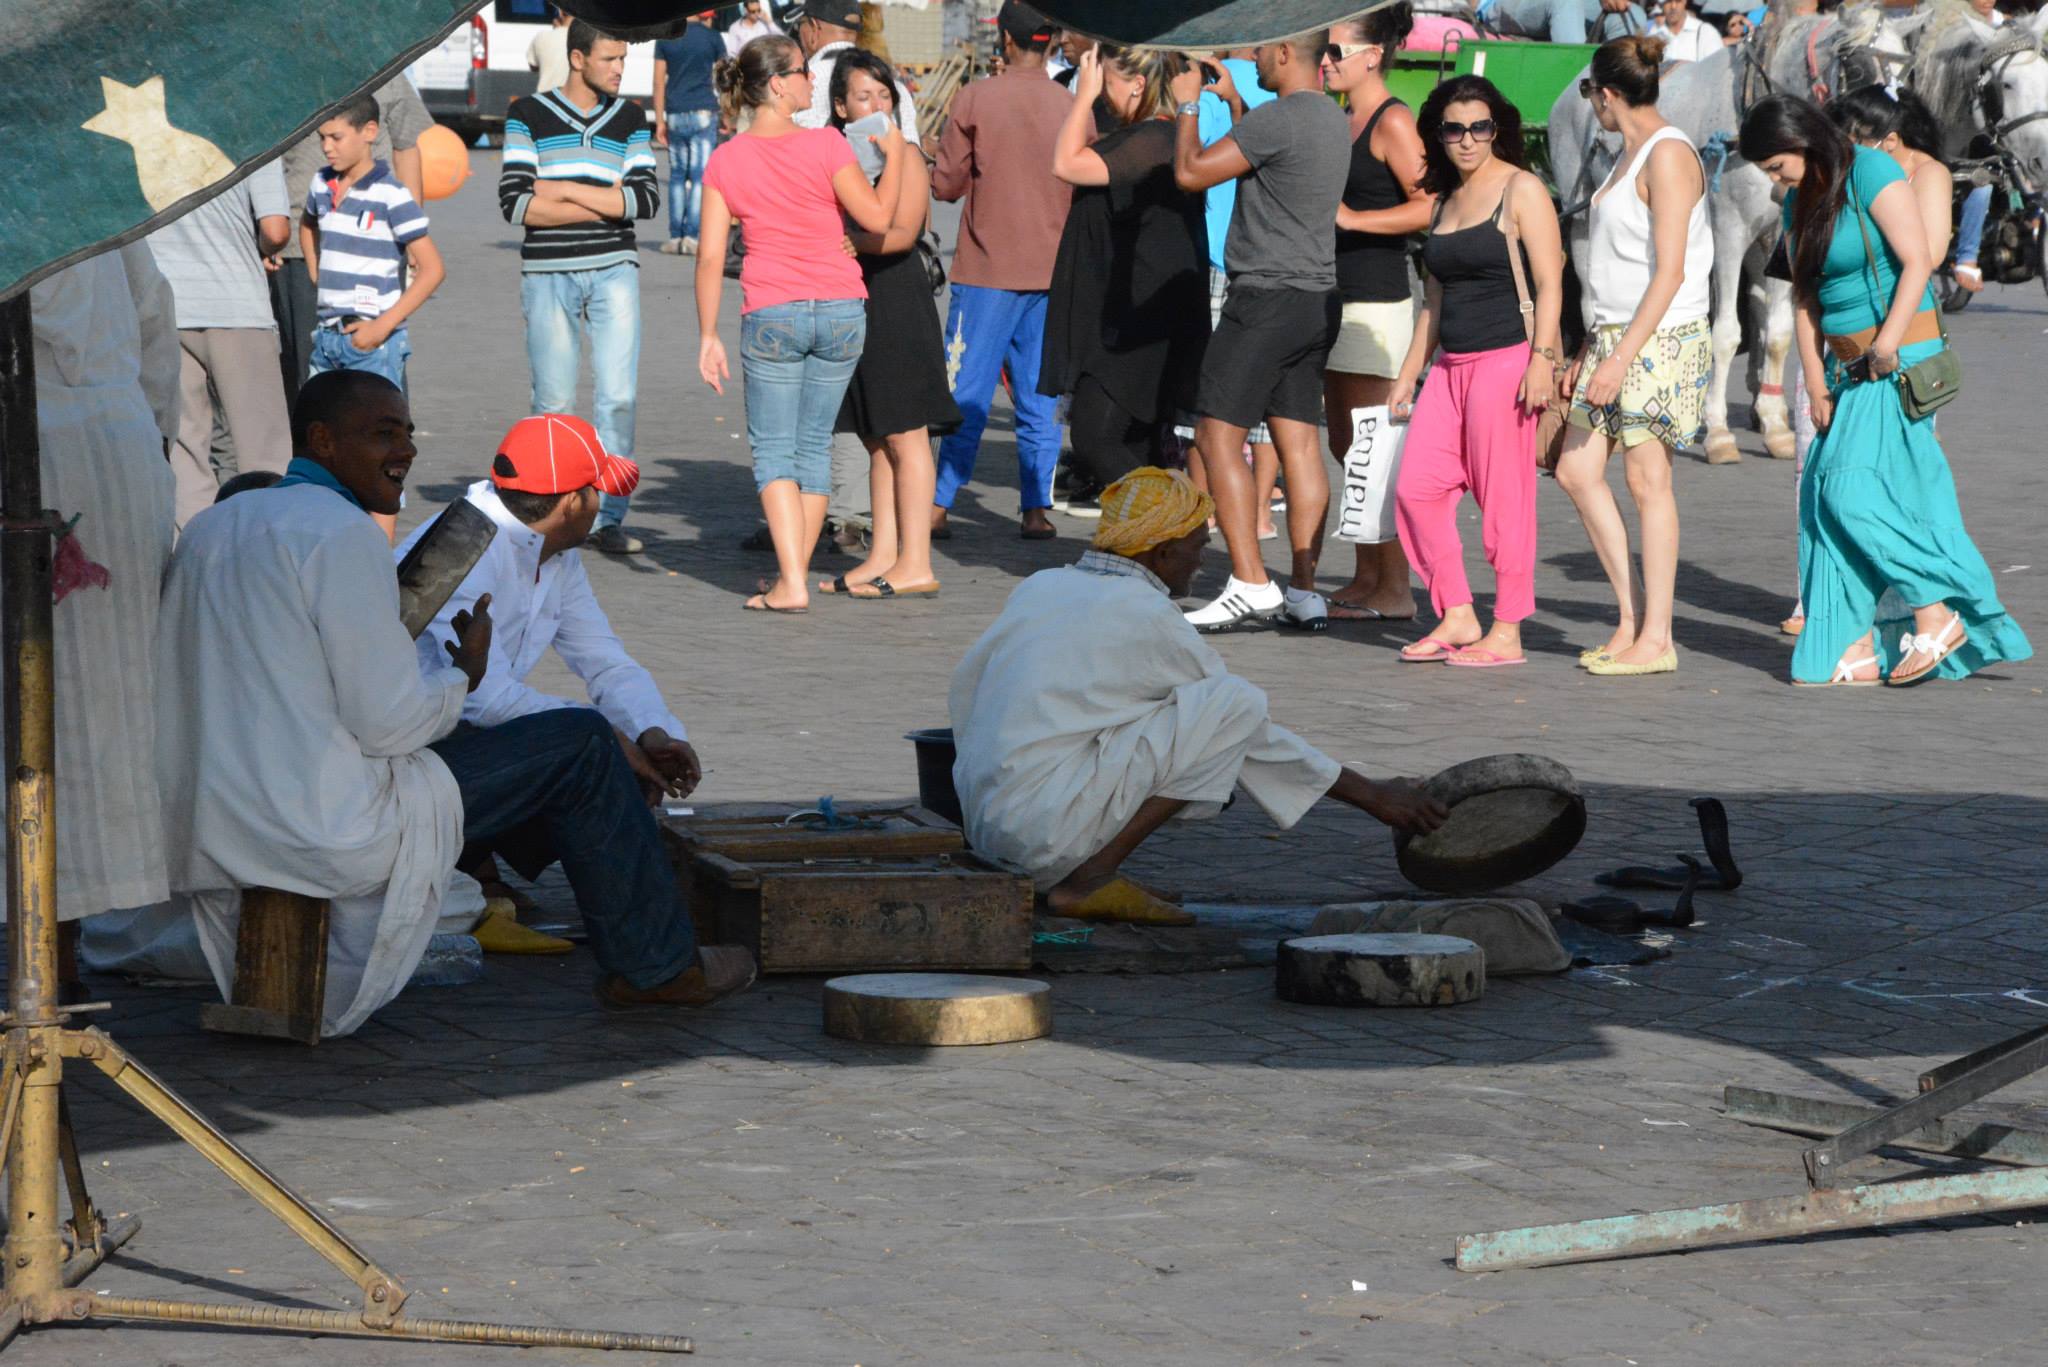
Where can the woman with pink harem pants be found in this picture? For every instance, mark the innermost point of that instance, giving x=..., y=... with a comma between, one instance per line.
x=1496, y=285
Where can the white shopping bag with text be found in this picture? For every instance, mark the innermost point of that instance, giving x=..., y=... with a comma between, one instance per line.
x=1365, y=512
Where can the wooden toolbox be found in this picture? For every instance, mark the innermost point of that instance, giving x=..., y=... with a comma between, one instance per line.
x=901, y=894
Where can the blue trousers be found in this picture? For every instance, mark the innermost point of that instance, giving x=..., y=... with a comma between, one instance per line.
x=1970, y=226
x=558, y=306
x=691, y=136
x=555, y=787
x=332, y=350
x=986, y=331
x=796, y=360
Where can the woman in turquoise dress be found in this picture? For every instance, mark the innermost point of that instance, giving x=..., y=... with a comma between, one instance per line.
x=1877, y=505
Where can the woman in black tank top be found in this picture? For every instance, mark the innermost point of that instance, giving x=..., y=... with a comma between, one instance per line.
x=1384, y=204
x=1494, y=243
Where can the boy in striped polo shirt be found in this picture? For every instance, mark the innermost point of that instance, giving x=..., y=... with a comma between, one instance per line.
x=358, y=222
x=578, y=170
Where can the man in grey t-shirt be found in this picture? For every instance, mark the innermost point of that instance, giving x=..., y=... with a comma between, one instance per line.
x=214, y=258
x=1290, y=158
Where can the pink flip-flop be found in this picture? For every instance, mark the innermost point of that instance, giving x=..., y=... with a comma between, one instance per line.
x=1471, y=657
x=1443, y=651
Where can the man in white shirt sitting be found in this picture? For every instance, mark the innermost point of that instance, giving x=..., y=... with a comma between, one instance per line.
x=543, y=495
x=305, y=751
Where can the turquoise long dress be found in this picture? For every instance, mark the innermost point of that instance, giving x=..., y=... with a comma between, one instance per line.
x=1877, y=505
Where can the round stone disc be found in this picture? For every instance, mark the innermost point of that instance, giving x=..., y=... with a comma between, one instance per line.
x=1381, y=970
x=937, y=1008
x=1512, y=817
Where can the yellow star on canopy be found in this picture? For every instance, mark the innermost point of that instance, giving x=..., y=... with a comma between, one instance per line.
x=169, y=162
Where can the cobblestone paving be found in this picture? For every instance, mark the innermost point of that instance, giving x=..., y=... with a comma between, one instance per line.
x=1189, y=1171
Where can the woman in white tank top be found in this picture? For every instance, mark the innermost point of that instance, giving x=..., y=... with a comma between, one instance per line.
x=1641, y=381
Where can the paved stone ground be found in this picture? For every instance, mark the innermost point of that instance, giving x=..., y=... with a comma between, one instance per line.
x=1189, y=1171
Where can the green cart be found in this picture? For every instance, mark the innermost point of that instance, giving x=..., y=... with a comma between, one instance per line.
x=1530, y=75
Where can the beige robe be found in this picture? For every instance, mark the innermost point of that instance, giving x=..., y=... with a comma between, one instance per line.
x=1090, y=694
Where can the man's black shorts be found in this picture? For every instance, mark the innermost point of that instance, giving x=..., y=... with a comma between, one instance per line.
x=1266, y=357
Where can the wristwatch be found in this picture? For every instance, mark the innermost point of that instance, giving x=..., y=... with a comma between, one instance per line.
x=1189, y=109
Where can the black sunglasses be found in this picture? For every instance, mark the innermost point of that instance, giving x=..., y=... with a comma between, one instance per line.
x=1481, y=131
x=1585, y=87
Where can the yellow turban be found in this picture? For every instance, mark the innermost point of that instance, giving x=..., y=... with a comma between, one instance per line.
x=1149, y=507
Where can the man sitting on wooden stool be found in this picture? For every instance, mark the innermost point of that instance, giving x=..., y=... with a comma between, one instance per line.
x=543, y=494
x=1091, y=713
x=305, y=752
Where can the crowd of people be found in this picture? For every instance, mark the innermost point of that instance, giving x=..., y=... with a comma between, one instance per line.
x=1104, y=204
x=1197, y=272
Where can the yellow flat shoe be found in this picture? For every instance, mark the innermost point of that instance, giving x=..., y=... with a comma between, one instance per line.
x=1587, y=657
x=1611, y=668
x=501, y=933
x=1122, y=900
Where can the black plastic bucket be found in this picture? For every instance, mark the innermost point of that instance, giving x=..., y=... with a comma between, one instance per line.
x=935, y=755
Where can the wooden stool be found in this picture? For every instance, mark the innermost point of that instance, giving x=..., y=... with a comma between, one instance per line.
x=280, y=969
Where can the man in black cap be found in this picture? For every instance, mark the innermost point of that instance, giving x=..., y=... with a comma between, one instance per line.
x=826, y=28
x=996, y=154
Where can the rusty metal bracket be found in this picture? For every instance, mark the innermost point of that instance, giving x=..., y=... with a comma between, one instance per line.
x=1852, y=1131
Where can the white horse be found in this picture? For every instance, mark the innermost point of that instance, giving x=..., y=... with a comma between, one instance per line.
x=1811, y=55
x=1981, y=81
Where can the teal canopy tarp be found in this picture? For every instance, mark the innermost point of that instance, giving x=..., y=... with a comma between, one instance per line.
x=122, y=114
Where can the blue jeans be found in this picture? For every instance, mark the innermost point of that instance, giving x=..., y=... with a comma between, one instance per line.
x=332, y=350
x=796, y=360
x=1565, y=21
x=554, y=786
x=691, y=136
x=988, y=330
x=1970, y=225
x=558, y=305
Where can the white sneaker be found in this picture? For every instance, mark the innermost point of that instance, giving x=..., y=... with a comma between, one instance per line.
x=1305, y=611
x=1239, y=604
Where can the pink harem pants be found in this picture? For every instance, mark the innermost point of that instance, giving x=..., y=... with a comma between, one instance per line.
x=1469, y=432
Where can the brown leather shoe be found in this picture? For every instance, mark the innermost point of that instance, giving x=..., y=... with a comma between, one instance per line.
x=721, y=971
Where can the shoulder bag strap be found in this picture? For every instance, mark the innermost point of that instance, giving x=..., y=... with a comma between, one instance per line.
x=1514, y=241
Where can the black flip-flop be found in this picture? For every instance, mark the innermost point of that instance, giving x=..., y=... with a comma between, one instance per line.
x=767, y=606
x=1714, y=834
x=883, y=589
x=838, y=585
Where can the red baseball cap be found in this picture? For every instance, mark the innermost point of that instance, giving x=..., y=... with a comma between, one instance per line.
x=558, y=453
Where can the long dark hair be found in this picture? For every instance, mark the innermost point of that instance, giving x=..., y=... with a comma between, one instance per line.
x=1786, y=123
x=858, y=59
x=1870, y=113
x=1440, y=174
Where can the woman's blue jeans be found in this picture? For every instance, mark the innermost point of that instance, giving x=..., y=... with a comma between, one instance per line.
x=796, y=360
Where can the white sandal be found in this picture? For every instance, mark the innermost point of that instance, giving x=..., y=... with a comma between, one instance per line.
x=1845, y=674
x=1936, y=648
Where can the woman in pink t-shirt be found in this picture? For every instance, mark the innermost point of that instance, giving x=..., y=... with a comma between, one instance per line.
x=803, y=313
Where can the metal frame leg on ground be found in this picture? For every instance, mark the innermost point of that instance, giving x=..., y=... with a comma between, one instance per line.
x=41, y=1264
x=1851, y=1132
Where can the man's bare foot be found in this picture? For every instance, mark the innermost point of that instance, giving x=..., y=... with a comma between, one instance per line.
x=1036, y=525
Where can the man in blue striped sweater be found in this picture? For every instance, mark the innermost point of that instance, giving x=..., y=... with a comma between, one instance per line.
x=578, y=170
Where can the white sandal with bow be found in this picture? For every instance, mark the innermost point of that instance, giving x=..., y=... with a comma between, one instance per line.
x=1933, y=649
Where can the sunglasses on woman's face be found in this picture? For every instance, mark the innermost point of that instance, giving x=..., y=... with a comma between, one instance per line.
x=1335, y=53
x=1481, y=131
x=1585, y=87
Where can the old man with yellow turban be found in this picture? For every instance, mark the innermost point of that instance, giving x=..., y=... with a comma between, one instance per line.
x=1090, y=714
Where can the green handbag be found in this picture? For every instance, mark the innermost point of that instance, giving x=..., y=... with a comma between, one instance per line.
x=1925, y=385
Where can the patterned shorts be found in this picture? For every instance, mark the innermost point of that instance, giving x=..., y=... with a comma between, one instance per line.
x=1663, y=394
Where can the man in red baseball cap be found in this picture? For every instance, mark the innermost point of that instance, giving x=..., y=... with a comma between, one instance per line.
x=546, y=479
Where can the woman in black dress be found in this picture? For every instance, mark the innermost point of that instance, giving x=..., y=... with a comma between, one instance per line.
x=1128, y=313
x=899, y=396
